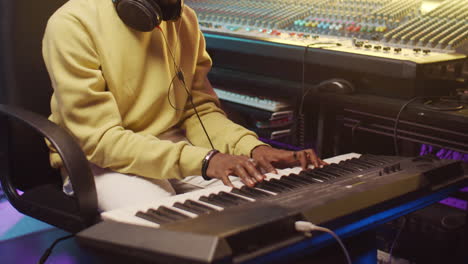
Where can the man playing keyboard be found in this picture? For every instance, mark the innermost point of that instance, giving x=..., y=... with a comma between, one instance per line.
x=130, y=84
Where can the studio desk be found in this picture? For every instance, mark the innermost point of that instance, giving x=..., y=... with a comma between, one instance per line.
x=352, y=196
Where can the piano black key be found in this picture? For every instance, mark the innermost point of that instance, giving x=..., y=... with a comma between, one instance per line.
x=246, y=193
x=312, y=177
x=294, y=180
x=342, y=168
x=359, y=164
x=339, y=171
x=152, y=218
x=373, y=159
x=295, y=183
x=336, y=172
x=255, y=191
x=365, y=163
x=233, y=197
x=306, y=179
x=331, y=172
x=278, y=184
x=351, y=166
x=283, y=184
x=223, y=199
x=191, y=209
x=167, y=216
x=347, y=166
x=217, y=202
x=320, y=174
x=251, y=192
x=270, y=187
x=172, y=212
x=200, y=206
x=373, y=162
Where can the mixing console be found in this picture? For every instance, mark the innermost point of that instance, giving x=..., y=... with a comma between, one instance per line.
x=389, y=23
x=396, y=48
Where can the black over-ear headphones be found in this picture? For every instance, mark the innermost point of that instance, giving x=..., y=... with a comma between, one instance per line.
x=145, y=15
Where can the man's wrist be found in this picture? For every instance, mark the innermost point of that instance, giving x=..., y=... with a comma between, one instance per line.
x=206, y=163
x=256, y=148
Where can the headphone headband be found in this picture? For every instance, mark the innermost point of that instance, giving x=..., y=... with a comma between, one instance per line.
x=145, y=15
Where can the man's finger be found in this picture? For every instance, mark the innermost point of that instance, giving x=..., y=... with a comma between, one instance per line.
x=241, y=172
x=251, y=167
x=303, y=159
x=323, y=163
x=226, y=181
x=312, y=157
x=266, y=166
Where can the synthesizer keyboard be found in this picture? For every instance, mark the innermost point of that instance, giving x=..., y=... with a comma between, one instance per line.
x=252, y=101
x=239, y=220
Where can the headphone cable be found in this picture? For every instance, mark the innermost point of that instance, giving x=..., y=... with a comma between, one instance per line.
x=182, y=79
x=180, y=75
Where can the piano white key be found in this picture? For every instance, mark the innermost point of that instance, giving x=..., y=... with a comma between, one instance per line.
x=267, y=191
x=127, y=214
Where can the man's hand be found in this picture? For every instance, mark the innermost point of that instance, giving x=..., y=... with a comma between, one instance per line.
x=222, y=165
x=270, y=158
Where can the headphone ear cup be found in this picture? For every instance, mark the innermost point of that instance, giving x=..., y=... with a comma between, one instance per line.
x=141, y=15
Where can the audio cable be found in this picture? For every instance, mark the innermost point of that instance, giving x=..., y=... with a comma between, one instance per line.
x=48, y=251
x=180, y=75
x=304, y=92
x=390, y=254
x=427, y=104
x=397, y=120
x=307, y=227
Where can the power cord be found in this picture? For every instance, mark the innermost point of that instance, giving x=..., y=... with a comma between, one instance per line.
x=180, y=75
x=307, y=227
x=48, y=251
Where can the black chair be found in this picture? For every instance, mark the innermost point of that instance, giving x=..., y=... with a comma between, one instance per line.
x=25, y=92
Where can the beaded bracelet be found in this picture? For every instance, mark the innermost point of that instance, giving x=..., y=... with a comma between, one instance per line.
x=206, y=162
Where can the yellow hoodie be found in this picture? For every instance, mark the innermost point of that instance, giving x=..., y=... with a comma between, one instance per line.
x=111, y=89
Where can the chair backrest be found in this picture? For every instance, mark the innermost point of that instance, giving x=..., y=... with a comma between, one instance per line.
x=25, y=84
